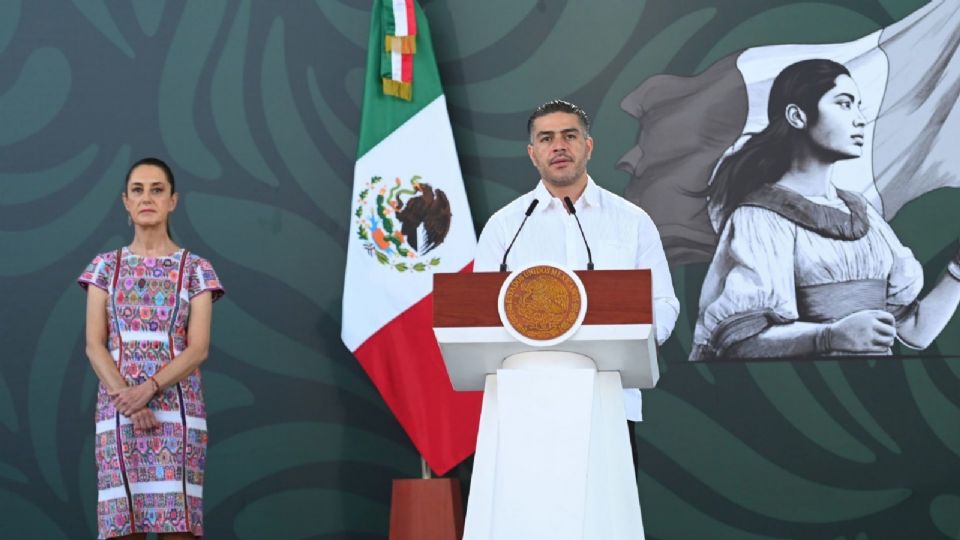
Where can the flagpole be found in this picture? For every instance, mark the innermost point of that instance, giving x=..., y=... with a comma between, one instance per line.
x=406, y=133
x=425, y=472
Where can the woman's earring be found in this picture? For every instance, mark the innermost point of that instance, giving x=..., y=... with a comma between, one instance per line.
x=129, y=221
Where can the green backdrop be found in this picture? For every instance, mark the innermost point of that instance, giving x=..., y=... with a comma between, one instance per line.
x=256, y=107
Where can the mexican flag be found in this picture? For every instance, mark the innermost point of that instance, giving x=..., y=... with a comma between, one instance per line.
x=909, y=79
x=409, y=219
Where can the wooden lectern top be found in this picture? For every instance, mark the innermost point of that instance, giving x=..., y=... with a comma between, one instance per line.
x=617, y=331
x=470, y=299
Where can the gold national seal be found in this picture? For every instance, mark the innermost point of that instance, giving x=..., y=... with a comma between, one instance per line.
x=542, y=303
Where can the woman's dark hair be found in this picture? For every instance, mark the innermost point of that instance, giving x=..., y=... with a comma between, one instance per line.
x=766, y=156
x=159, y=163
x=156, y=162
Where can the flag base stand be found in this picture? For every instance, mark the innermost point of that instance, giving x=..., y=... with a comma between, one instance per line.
x=426, y=508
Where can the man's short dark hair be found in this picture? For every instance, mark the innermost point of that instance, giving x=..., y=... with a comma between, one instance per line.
x=559, y=105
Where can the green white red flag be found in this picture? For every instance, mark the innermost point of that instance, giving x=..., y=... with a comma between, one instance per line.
x=409, y=220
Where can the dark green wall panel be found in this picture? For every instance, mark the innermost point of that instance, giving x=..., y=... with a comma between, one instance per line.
x=256, y=106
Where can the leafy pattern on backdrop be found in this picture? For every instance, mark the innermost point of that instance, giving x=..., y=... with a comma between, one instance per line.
x=256, y=105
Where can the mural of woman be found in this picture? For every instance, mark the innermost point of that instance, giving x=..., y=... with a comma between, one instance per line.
x=803, y=268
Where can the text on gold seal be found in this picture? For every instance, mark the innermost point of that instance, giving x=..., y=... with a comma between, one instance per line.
x=542, y=303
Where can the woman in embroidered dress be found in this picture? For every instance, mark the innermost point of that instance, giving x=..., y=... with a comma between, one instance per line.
x=802, y=267
x=147, y=332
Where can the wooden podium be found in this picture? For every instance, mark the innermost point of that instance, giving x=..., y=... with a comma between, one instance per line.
x=553, y=455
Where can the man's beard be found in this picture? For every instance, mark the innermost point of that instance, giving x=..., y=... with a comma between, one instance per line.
x=567, y=179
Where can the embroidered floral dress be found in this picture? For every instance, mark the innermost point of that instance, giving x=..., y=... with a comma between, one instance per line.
x=150, y=481
x=783, y=257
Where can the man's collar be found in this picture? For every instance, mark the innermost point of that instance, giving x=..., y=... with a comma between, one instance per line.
x=543, y=195
x=590, y=195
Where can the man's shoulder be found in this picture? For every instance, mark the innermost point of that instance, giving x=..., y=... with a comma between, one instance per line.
x=512, y=209
x=623, y=206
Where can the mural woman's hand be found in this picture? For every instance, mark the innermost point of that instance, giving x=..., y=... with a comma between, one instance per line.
x=954, y=266
x=871, y=330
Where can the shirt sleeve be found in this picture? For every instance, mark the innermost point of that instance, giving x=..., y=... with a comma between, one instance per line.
x=905, y=280
x=490, y=246
x=666, y=306
x=750, y=283
x=98, y=273
x=202, y=277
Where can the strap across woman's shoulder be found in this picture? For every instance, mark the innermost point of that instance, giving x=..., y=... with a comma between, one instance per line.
x=823, y=220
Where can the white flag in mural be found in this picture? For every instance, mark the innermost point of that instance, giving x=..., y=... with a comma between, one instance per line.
x=909, y=77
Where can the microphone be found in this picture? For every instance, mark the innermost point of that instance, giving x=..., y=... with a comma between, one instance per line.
x=573, y=211
x=533, y=204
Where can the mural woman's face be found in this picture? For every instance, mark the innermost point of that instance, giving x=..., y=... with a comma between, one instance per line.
x=839, y=130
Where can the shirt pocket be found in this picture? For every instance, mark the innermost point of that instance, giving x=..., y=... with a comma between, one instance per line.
x=615, y=255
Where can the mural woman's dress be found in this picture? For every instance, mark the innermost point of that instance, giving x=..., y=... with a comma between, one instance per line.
x=783, y=257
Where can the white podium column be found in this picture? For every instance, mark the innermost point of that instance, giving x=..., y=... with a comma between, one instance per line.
x=553, y=457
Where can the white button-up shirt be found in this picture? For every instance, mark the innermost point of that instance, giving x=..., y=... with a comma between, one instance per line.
x=621, y=235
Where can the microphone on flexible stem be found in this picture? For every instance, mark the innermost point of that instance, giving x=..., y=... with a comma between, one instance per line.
x=573, y=211
x=533, y=204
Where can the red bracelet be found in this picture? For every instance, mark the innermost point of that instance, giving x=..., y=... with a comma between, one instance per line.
x=156, y=386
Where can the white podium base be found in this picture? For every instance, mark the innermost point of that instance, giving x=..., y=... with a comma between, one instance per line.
x=553, y=454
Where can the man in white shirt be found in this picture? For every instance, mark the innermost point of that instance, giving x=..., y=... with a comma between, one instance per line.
x=621, y=235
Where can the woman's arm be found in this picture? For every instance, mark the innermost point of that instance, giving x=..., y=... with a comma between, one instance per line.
x=96, y=337
x=933, y=312
x=198, y=344
x=863, y=332
x=781, y=340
